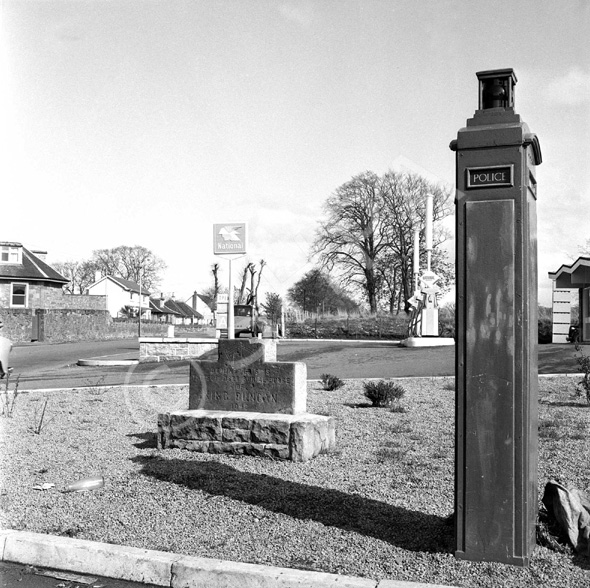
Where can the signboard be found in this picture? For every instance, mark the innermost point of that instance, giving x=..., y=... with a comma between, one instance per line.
x=490, y=177
x=222, y=298
x=229, y=239
x=221, y=322
x=429, y=278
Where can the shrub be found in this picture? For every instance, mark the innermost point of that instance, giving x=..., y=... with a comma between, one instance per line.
x=583, y=360
x=8, y=397
x=330, y=382
x=446, y=321
x=545, y=329
x=384, y=394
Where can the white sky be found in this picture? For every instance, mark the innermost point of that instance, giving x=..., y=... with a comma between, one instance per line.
x=146, y=121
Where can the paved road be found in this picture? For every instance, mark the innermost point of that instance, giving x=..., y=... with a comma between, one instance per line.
x=17, y=575
x=54, y=366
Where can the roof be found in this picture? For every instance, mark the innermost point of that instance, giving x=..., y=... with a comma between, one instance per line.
x=574, y=275
x=208, y=300
x=171, y=306
x=32, y=269
x=128, y=285
x=157, y=309
x=188, y=310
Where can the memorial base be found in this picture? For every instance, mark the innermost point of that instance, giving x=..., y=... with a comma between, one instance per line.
x=298, y=437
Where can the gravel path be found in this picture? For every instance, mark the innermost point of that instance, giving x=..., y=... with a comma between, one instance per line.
x=376, y=507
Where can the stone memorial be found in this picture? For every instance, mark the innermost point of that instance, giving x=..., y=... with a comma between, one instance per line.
x=248, y=403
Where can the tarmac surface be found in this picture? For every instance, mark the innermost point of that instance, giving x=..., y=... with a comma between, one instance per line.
x=55, y=366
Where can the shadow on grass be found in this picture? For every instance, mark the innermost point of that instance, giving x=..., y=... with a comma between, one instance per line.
x=564, y=403
x=148, y=440
x=358, y=405
x=407, y=529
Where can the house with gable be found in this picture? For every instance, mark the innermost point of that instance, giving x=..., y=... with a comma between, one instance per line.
x=174, y=311
x=161, y=312
x=204, y=305
x=26, y=281
x=124, y=297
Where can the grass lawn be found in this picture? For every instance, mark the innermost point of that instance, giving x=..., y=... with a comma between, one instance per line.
x=376, y=507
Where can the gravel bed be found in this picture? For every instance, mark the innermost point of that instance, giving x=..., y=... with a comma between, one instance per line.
x=377, y=507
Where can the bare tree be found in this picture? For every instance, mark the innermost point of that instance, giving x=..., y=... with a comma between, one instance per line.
x=584, y=249
x=255, y=295
x=215, y=293
x=404, y=196
x=80, y=274
x=368, y=234
x=355, y=235
x=136, y=263
x=242, y=293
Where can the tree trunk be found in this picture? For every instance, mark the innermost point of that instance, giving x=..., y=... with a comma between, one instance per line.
x=242, y=293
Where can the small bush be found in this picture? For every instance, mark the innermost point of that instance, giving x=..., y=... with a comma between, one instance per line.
x=330, y=382
x=8, y=397
x=583, y=386
x=545, y=330
x=384, y=394
x=446, y=321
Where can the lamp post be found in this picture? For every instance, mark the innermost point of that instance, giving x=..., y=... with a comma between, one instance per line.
x=139, y=312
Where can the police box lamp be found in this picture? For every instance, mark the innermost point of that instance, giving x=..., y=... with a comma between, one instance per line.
x=496, y=108
x=496, y=88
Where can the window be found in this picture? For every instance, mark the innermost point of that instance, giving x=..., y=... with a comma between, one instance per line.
x=19, y=295
x=10, y=254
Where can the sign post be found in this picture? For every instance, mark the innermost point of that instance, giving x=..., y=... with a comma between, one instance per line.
x=496, y=335
x=229, y=239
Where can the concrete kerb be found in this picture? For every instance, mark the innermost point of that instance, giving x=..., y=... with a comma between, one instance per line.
x=167, y=569
x=106, y=362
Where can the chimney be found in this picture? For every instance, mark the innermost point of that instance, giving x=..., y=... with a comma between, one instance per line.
x=97, y=275
x=161, y=299
x=42, y=255
x=195, y=300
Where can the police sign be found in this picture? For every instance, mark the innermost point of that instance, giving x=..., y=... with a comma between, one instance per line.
x=490, y=177
x=229, y=239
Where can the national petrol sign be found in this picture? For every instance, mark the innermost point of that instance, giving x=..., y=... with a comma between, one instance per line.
x=229, y=239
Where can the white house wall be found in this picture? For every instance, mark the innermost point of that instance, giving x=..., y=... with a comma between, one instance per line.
x=117, y=298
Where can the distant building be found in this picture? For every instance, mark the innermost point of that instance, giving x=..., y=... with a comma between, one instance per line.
x=204, y=305
x=124, y=297
x=26, y=281
x=568, y=279
x=174, y=312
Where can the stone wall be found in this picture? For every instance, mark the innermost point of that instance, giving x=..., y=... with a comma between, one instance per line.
x=61, y=325
x=89, y=325
x=297, y=438
x=59, y=300
x=154, y=349
x=17, y=323
x=47, y=295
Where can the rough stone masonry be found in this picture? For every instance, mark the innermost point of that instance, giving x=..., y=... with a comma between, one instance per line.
x=247, y=403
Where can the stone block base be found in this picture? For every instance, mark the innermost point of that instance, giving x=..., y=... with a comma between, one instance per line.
x=296, y=437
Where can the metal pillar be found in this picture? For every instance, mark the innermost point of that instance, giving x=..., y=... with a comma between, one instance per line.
x=496, y=334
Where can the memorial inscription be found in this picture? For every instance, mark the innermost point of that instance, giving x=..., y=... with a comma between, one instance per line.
x=242, y=380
